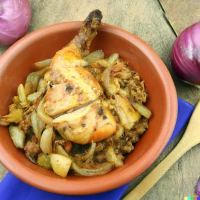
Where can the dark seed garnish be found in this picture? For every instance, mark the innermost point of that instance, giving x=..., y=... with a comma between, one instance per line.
x=105, y=117
x=51, y=84
x=69, y=88
x=100, y=112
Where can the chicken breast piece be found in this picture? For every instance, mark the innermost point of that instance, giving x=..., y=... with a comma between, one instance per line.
x=67, y=69
x=72, y=85
x=87, y=124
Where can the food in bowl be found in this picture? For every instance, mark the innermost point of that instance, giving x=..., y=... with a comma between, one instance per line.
x=79, y=112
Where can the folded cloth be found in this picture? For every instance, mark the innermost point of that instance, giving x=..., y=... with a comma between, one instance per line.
x=11, y=188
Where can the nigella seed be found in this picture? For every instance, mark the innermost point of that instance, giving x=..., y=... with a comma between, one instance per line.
x=100, y=112
x=83, y=125
x=64, y=128
x=105, y=117
x=69, y=88
x=51, y=84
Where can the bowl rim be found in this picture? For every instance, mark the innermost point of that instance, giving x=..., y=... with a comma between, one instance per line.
x=97, y=184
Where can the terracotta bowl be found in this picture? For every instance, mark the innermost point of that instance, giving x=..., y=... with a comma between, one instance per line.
x=17, y=63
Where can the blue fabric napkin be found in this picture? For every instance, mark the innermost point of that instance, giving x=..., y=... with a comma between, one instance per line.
x=11, y=188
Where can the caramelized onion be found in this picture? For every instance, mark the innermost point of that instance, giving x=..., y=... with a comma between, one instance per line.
x=42, y=115
x=101, y=169
x=90, y=152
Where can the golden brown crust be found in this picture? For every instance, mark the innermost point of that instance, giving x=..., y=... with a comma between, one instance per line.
x=95, y=125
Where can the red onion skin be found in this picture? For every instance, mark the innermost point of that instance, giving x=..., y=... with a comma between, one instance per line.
x=185, y=55
x=197, y=190
x=15, y=16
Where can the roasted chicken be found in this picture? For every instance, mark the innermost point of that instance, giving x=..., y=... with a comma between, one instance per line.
x=72, y=86
x=76, y=100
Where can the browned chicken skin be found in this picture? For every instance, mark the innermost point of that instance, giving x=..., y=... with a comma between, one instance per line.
x=88, y=31
x=71, y=86
x=75, y=86
x=90, y=123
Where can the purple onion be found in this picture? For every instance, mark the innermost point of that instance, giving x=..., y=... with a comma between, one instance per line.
x=15, y=16
x=197, y=191
x=185, y=55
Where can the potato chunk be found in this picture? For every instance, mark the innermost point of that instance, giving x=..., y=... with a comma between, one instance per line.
x=60, y=164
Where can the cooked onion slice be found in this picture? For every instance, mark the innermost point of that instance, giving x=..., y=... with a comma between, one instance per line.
x=60, y=150
x=143, y=110
x=90, y=152
x=113, y=57
x=37, y=124
x=101, y=169
x=46, y=140
x=22, y=95
x=15, y=115
x=94, y=56
x=109, y=84
x=76, y=114
x=73, y=116
x=128, y=116
x=17, y=136
x=42, y=115
x=113, y=158
x=34, y=96
x=32, y=80
x=43, y=63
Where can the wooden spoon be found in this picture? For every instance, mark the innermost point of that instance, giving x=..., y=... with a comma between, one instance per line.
x=190, y=138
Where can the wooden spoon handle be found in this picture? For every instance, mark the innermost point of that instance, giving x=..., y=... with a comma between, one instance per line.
x=145, y=185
